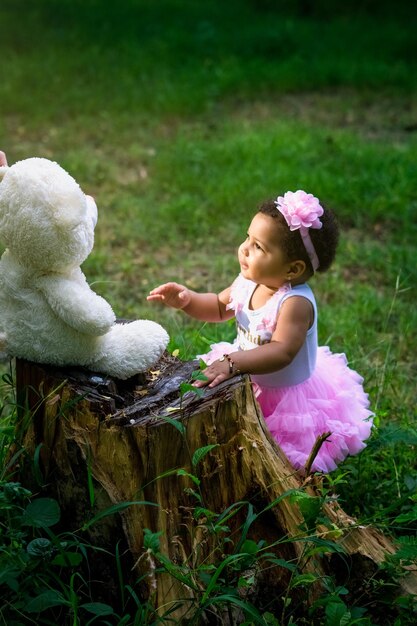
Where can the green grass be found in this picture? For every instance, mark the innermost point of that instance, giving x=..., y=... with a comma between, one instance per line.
x=173, y=56
x=181, y=117
x=180, y=120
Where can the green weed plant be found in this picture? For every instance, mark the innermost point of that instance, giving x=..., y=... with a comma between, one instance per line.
x=44, y=572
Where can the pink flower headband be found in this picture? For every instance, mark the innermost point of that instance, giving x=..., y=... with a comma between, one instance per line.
x=302, y=211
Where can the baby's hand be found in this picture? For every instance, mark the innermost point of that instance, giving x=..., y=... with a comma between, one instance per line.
x=215, y=374
x=3, y=159
x=171, y=294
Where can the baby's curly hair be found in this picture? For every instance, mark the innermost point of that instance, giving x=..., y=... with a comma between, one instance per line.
x=324, y=240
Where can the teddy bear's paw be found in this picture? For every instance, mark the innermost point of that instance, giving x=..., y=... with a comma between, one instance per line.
x=131, y=348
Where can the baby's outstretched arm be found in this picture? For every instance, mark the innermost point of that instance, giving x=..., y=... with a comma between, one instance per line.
x=207, y=307
x=171, y=294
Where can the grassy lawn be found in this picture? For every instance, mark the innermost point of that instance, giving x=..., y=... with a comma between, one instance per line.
x=181, y=117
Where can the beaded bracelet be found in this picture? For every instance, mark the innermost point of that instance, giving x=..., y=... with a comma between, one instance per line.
x=231, y=364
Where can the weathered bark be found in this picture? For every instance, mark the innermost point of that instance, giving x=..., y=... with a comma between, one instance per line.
x=117, y=432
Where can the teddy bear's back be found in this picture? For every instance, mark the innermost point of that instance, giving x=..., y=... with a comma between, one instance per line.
x=32, y=329
x=48, y=312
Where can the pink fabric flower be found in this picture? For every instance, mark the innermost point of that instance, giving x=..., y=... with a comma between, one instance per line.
x=300, y=209
x=234, y=304
x=239, y=293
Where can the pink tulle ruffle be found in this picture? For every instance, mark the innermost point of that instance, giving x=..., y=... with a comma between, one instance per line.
x=332, y=399
x=217, y=350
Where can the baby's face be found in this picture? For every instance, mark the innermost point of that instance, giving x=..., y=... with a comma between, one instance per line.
x=260, y=256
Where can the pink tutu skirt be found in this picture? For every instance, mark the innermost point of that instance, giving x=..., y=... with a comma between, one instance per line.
x=331, y=400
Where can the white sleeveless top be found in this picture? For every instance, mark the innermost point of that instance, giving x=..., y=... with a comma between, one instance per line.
x=255, y=328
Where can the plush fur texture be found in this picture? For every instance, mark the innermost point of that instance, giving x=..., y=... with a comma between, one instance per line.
x=48, y=313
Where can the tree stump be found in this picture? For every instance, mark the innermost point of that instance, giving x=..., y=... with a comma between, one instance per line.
x=102, y=442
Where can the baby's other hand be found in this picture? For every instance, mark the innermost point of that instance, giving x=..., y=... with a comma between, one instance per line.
x=215, y=374
x=3, y=159
x=171, y=294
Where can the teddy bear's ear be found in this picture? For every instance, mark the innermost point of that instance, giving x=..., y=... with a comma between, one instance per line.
x=3, y=171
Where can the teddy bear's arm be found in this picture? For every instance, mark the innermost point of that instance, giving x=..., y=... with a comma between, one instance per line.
x=77, y=305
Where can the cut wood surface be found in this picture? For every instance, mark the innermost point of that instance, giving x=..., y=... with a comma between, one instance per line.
x=123, y=435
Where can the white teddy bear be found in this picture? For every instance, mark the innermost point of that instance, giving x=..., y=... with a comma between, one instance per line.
x=48, y=313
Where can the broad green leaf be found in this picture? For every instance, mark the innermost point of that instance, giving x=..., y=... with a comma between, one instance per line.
x=188, y=388
x=201, y=453
x=244, y=583
x=40, y=547
x=68, y=559
x=198, y=375
x=177, y=572
x=201, y=511
x=183, y=472
x=42, y=513
x=303, y=579
x=310, y=506
x=46, y=600
x=184, y=387
x=9, y=576
x=410, y=516
x=406, y=552
x=151, y=540
x=8, y=379
x=249, y=547
x=97, y=608
x=337, y=614
x=14, y=490
x=175, y=423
